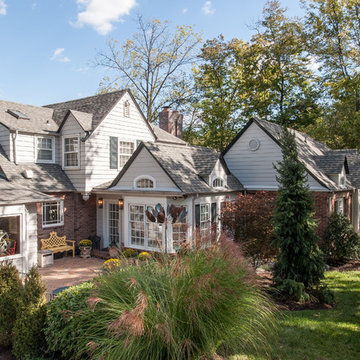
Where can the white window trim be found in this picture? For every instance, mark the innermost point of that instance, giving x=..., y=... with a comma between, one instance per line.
x=146, y=239
x=148, y=177
x=218, y=187
x=78, y=152
x=22, y=227
x=61, y=223
x=52, y=138
x=123, y=154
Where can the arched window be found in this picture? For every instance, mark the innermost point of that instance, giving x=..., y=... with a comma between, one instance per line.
x=144, y=182
x=127, y=108
x=218, y=183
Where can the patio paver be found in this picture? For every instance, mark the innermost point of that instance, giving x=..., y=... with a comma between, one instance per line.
x=69, y=271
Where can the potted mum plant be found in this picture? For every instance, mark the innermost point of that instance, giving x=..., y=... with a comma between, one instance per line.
x=85, y=247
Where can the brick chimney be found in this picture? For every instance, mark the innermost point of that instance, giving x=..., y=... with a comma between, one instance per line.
x=172, y=122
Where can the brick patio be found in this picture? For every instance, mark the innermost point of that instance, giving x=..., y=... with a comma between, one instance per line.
x=69, y=271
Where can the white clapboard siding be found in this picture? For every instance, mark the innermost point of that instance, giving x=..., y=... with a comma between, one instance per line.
x=25, y=148
x=255, y=169
x=5, y=139
x=131, y=128
x=77, y=176
x=145, y=165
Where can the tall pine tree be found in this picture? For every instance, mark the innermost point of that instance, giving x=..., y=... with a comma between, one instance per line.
x=299, y=266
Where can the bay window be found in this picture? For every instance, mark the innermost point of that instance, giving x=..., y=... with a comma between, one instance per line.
x=10, y=235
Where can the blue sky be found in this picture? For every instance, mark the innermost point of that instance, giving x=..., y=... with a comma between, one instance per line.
x=48, y=46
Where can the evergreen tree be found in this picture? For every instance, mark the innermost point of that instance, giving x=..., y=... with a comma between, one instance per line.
x=299, y=266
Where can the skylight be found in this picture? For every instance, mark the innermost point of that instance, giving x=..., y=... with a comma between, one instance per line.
x=18, y=114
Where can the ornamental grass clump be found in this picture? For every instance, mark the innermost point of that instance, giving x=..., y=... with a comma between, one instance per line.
x=180, y=307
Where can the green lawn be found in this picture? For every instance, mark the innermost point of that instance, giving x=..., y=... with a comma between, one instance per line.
x=322, y=334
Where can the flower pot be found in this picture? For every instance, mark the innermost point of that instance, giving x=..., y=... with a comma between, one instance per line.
x=85, y=251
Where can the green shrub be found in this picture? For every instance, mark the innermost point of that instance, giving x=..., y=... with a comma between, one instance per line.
x=294, y=290
x=62, y=330
x=129, y=253
x=10, y=300
x=177, y=308
x=28, y=336
x=340, y=241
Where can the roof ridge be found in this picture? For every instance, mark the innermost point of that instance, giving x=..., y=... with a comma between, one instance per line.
x=86, y=97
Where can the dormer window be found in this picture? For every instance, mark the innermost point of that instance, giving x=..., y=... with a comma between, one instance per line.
x=218, y=183
x=127, y=108
x=144, y=182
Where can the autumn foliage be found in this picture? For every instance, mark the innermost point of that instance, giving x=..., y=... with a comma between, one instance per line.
x=249, y=221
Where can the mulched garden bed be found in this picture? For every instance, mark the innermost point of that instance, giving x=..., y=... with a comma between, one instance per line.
x=265, y=280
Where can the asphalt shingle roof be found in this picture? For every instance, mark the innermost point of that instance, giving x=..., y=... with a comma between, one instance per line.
x=40, y=118
x=46, y=177
x=186, y=166
x=97, y=105
x=164, y=136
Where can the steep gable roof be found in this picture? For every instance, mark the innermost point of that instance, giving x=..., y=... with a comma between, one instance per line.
x=98, y=105
x=311, y=153
x=185, y=166
x=39, y=119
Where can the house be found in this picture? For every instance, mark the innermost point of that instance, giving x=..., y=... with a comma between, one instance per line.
x=53, y=159
x=92, y=166
x=170, y=174
x=333, y=175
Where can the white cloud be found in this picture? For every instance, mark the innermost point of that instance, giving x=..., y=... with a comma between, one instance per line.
x=102, y=14
x=207, y=8
x=58, y=55
x=3, y=7
x=184, y=10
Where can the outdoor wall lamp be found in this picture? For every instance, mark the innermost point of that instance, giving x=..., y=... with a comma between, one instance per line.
x=121, y=204
x=100, y=203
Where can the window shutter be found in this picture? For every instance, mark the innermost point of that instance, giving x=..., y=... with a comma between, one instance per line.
x=213, y=213
x=197, y=215
x=114, y=143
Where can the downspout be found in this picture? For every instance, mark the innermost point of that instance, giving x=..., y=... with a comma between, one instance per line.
x=14, y=136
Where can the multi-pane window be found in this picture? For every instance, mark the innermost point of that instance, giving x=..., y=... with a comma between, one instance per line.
x=71, y=152
x=218, y=183
x=154, y=234
x=53, y=213
x=126, y=149
x=204, y=220
x=137, y=224
x=145, y=183
x=143, y=232
x=113, y=223
x=45, y=149
x=179, y=233
x=9, y=235
x=127, y=108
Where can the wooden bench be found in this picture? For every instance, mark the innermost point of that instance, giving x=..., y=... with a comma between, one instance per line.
x=57, y=243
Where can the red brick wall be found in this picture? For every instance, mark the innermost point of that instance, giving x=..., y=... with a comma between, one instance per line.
x=79, y=217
